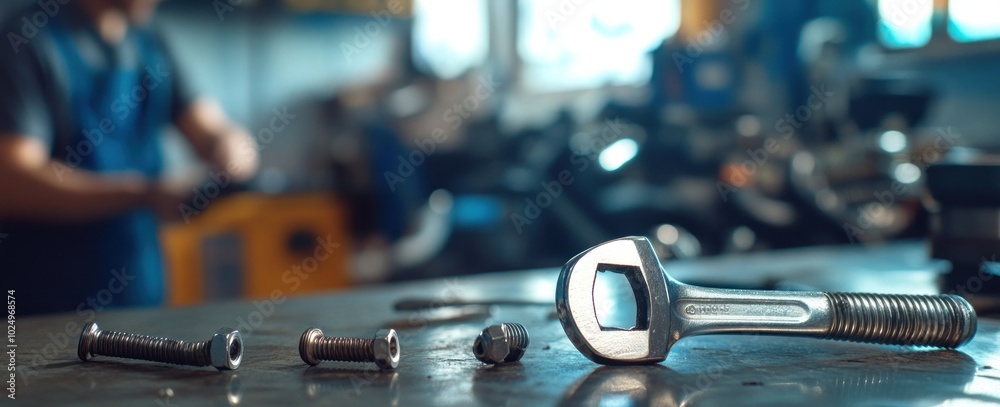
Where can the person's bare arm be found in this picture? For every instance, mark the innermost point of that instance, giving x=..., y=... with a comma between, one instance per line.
x=35, y=188
x=218, y=141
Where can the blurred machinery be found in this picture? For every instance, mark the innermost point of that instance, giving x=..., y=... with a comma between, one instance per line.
x=965, y=228
x=771, y=129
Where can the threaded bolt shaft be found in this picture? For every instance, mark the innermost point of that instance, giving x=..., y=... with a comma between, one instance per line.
x=383, y=349
x=143, y=347
x=517, y=338
x=946, y=321
x=94, y=341
x=345, y=349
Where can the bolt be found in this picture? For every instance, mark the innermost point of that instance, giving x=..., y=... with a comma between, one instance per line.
x=502, y=343
x=383, y=349
x=224, y=350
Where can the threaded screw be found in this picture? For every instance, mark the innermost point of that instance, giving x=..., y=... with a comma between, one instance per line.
x=382, y=349
x=224, y=351
x=503, y=343
x=946, y=321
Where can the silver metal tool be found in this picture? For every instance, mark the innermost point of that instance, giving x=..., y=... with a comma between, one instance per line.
x=502, y=343
x=224, y=351
x=383, y=349
x=667, y=310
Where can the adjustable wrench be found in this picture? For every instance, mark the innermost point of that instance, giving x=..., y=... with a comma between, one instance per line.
x=667, y=310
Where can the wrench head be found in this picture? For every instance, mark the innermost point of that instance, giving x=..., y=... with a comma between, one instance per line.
x=649, y=340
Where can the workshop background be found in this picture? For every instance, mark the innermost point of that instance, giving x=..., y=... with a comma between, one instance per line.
x=405, y=140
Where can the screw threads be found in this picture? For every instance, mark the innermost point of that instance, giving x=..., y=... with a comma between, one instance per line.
x=383, y=349
x=517, y=339
x=132, y=346
x=344, y=349
x=946, y=321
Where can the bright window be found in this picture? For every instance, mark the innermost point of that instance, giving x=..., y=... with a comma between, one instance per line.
x=577, y=44
x=905, y=23
x=450, y=36
x=973, y=20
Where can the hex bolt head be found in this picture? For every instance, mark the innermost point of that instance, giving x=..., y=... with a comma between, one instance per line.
x=503, y=343
x=383, y=349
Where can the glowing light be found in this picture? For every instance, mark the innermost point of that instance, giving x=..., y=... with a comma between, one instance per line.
x=667, y=234
x=574, y=44
x=892, y=141
x=440, y=201
x=905, y=23
x=748, y=125
x=617, y=154
x=906, y=173
x=803, y=163
x=744, y=238
x=450, y=36
x=973, y=20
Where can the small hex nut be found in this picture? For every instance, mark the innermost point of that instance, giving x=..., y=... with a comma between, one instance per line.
x=491, y=346
x=386, y=349
x=226, y=349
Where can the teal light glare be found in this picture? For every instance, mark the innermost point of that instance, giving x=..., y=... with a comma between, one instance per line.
x=973, y=20
x=617, y=154
x=905, y=23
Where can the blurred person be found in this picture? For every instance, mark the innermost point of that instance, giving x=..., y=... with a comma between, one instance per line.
x=84, y=95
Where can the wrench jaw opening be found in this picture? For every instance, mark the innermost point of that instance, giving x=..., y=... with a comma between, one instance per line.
x=647, y=342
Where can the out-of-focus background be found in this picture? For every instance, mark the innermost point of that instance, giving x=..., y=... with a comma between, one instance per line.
x=411, y=139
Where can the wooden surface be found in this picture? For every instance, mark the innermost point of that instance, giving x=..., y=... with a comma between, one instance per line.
x=437, y=367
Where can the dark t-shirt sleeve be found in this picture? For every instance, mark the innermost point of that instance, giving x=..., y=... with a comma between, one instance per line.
x=23, y=111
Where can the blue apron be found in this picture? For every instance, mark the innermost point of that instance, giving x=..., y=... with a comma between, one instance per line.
x=127, y=247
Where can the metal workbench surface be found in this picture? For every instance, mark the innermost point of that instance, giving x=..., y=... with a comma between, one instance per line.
x=437, y=367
